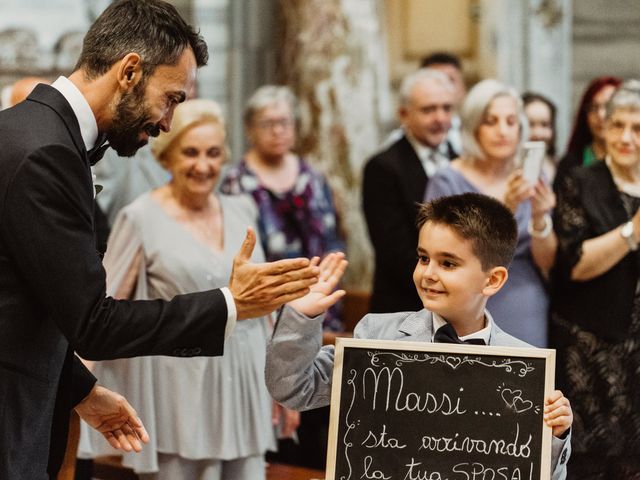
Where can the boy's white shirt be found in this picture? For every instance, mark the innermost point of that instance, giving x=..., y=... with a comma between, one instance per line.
x=484, y=334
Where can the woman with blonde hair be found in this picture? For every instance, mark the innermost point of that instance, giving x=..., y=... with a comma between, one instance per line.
x=209, y=418
x=493, y=129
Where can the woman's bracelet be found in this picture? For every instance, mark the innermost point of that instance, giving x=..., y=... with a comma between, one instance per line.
x=545, y=232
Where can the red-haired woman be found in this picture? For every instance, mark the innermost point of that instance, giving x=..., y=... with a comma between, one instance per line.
x=587, y=143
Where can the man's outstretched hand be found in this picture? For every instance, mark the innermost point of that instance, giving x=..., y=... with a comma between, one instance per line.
x=260, y=288
x=110, y=414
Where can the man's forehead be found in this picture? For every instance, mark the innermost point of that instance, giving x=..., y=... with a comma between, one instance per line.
x=431, y=89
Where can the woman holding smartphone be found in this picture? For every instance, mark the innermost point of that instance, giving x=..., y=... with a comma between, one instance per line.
x=493, y=127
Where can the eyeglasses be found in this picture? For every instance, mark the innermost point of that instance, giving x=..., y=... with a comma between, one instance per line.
x=283, y=123
x=618, y=128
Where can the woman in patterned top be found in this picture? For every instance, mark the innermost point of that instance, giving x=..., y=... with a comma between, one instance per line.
x=297, y=217
x=297, y=213
x=595, y=317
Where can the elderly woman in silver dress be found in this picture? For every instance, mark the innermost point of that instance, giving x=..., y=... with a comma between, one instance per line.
x=209, y=418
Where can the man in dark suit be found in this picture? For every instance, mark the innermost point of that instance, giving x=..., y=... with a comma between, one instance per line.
x=138, y=62
x=395, y=180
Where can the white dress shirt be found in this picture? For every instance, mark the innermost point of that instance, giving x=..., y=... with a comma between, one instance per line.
x=432, y=159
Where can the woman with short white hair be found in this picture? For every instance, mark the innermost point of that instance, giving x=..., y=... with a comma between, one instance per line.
x=297, y=219
x=493, y=130
x=297, y=211
x=595, y=313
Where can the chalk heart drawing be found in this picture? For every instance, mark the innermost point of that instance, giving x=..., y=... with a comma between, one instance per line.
x=454, y=362
x=513, y=399
x=522, y=405
x=509, y=396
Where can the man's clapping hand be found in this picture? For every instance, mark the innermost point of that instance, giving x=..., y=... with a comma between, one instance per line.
x=260, y=288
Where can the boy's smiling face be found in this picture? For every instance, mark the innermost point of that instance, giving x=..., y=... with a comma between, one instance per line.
x=449, y=277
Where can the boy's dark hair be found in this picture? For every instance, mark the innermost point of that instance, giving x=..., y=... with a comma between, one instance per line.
x=151, y=28
x=440, y=58
x=485, y=221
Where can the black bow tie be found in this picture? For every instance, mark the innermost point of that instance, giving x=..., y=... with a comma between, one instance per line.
x=97, y=152
x=447, y=334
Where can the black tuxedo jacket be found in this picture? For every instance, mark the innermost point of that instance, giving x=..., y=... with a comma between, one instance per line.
x=393, y=184
x=52, y=290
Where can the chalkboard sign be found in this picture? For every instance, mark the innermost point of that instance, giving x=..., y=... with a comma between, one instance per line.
x=423, y=411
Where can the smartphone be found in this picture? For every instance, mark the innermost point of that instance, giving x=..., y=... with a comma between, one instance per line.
x=532, y=159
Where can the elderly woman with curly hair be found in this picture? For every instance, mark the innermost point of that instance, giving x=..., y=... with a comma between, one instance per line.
x=595, y=317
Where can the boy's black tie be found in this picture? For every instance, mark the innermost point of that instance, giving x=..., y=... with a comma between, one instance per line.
x=447, y=334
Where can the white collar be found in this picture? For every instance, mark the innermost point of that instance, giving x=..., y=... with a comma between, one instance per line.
x=424, y=151
x=81, y=108
x=484, y=334
x=632, y=189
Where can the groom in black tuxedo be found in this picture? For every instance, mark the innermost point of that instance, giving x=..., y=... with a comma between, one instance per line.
x=139, y=60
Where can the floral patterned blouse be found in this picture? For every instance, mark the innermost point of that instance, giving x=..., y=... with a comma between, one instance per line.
x=298, y=223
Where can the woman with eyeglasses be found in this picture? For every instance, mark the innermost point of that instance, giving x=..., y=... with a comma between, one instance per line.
x=297, y=217
x=587, y=144
x=297, y=213
x=595, y=313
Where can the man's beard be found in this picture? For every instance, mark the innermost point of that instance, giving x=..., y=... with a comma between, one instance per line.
x=130, y=120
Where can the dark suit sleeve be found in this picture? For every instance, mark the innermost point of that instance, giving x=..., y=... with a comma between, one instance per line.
x=394, y=237
x=49, y=213
x=83, y=381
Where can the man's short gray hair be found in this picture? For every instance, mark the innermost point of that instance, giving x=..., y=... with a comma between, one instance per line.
x=267, y=96
x=420, y=76
x=626, y=97
x=474, y=108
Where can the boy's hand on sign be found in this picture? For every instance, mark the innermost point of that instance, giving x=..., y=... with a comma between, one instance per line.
x=557, y=413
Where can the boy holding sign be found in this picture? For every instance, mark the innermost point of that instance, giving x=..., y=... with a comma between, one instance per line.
x=465, y=244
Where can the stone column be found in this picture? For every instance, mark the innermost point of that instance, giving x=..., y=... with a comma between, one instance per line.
x=332, y=54
x=527, y=44
x=605, y=41
x=211, y=18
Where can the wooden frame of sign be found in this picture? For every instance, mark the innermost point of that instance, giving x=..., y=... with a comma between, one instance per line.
x=434, y=411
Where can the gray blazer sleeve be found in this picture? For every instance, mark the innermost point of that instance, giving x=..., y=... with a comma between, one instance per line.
x=298, y=368
x=560, y=452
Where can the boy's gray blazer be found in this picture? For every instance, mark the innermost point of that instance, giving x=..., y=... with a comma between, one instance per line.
x=299, y=369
